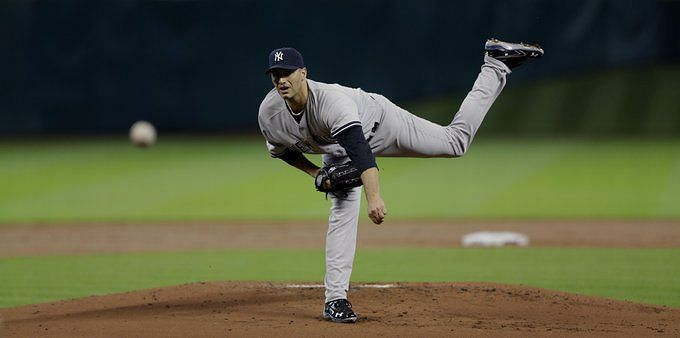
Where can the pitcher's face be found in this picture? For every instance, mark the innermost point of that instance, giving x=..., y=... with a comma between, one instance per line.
x=288, y=83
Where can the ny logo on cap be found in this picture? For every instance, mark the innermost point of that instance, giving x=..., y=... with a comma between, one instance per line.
x=278, y=56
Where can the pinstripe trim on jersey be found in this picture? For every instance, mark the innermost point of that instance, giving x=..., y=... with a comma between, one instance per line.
x=341, y=129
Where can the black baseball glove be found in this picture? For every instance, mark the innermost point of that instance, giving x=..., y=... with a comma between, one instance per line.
x=337, y=178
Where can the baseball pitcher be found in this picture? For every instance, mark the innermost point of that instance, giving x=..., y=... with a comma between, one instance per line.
x=350, y=127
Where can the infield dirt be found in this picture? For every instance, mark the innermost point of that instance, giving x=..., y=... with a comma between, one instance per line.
x=38, y=239
x=273, y=309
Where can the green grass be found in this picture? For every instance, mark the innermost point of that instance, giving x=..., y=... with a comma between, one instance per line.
x=642, y=275
x=234, y=179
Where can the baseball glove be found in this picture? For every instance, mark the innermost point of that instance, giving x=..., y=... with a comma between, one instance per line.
x=337, y=178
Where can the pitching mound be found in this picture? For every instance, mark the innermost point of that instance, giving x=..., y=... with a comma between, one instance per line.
x=277, y=309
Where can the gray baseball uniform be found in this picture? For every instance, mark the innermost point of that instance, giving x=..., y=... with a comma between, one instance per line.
x=389, y=130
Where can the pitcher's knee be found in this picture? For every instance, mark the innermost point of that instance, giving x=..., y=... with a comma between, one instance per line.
x=459, y=147
x=460, y=142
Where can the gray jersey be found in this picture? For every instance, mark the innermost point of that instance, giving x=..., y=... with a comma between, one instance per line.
x=331, y=109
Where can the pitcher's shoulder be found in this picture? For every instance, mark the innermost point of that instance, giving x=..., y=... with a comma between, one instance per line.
x=271, y=105
x=328, y=93
x=325, y=87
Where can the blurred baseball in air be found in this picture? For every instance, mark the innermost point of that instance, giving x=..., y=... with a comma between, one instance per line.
x=142, y=134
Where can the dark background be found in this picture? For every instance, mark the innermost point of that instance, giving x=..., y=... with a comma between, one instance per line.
x=198, y=66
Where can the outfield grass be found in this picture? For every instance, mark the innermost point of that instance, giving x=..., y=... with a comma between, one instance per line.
x=234, y=179
x=642, y=275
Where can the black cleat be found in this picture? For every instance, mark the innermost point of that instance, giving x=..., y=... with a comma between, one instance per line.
x=339, y=311
x=512, y=54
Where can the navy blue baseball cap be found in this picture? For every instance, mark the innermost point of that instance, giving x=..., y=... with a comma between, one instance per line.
x=285, y=58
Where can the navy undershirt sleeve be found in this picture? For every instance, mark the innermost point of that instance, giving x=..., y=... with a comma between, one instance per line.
x=354, y=142
x=290, y=156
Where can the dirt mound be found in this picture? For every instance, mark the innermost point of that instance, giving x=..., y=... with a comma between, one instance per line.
x=404, y=309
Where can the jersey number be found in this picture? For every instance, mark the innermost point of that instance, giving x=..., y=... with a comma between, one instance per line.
x=303, y=146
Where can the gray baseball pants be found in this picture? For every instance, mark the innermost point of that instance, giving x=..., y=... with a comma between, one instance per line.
x=404, y=134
